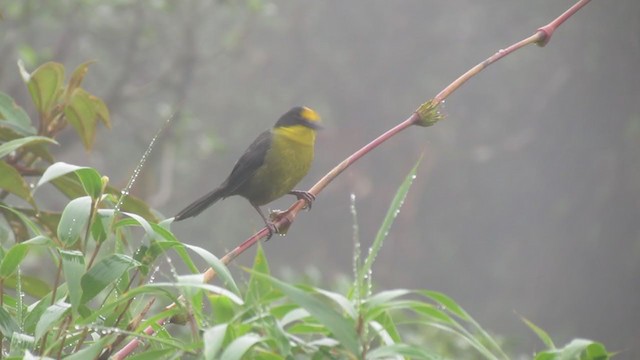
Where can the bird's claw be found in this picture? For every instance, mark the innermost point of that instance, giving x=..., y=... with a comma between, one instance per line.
x=273, y=229
x=304, y=195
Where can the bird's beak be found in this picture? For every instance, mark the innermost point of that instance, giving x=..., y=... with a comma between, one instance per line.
x=316, y=125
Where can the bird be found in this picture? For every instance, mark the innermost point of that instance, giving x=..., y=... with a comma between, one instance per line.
x=271, y=166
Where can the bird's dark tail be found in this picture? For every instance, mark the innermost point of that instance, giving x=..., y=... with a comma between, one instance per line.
x=200, y=205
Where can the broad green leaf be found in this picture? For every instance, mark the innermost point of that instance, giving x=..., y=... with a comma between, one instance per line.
x=20, y=343
x=45, y=85
x=294, y=315
x=432, y=312
x=542, y=335
x=186, y=285
x=222, y=308
x=32, y=286
x=392, y=213
x=88, y=177
x=73, y=268
x=35, y=311
x=77, y=76
x=73, y=223
x=213, y=338
x=581, y=349
x=13, y=182
x=80, y=112
x=19, y=223
x=14, y=117
x=164, y=239
x=341, y=300
x=402, y=350
x=39, y=150
x=10, y=146
x=389, y=325
x=47, y=221
x=343, y=329
x=595, y=351
x=102, y=111
x=578, y=349
x=138, y=220
x=103, y=274
x=216, y=264
x=50, y=317
x=386, y=296
x=239, y=347
x=7, y=323
x=90, y=352
x=448, y=303
x=100, y=225
x=17, y=253
x=258, y=286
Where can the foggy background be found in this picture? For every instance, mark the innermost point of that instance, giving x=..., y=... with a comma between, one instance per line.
x=527, y=200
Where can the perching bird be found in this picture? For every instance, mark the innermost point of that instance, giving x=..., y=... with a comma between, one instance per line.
x=272, y=165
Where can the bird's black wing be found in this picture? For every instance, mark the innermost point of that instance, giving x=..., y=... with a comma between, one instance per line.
x=248, y=163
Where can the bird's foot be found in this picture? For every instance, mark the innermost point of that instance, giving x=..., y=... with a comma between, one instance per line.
x=304, y=195
x=273, y=229
x=275, y=216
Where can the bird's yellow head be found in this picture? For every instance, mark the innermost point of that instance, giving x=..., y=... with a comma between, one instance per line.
x=300, y=115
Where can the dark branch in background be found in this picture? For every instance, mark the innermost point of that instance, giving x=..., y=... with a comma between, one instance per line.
x=426, y=115
x=114, y=96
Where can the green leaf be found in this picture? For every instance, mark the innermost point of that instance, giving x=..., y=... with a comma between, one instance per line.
x=89, y=177
x=102, y=111
x=77, y=76
x=341, y=300
x=595, y=351
x=213, y=338
x=73, y=268
x=187, y=285
x=10, y=146
x=216, y=264
x=222, y=308
x=581, y=349
x=386, y=296
x=100, y=225
x=258, y=287
x=392, y=213
x=14, y=117
x=542, y=335
x=402, y=350
x=20, y=343
x=18, y=252
x=80, y=112
x=90, y=352
x=13, y=182
x=238, y=347
x=74, y=220
x=50, y=317
x=30, y=285
x=448, y=303
x=7, y=323
x=19, y=223
x=164, y=239
x=343, y=329
x=388, y=324
x=102, y=274
x=154, y=355
x=45, y=85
